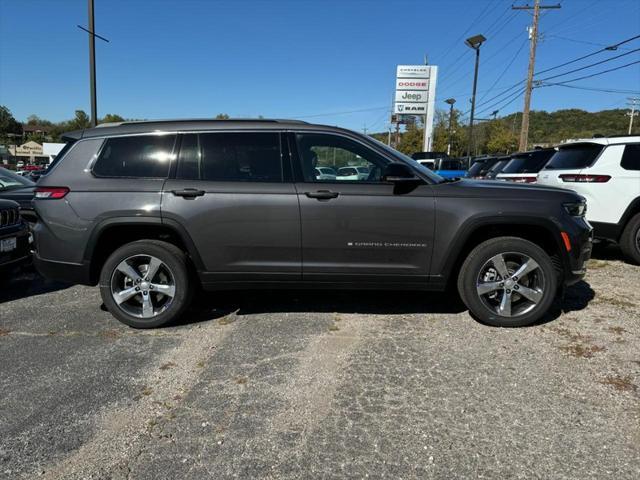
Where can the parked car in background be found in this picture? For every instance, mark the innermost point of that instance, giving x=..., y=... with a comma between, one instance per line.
x=352, y=173
x=325, y=173
x=15, y=249
x=34, y=175
x=151, y=211
x=524, y=166
x=19, y=189
x=481, y=166
x=441, y=164
x=606, y=171
x=497, y=168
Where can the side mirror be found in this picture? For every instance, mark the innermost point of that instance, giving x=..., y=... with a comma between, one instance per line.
x=397, y=172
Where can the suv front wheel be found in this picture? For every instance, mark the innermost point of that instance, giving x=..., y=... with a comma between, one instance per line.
x=146, y=284
x=508, y=282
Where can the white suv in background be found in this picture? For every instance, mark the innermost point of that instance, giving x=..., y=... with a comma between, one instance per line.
x=606, y=171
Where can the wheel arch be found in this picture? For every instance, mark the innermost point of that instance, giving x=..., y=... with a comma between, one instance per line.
x=541, y=231
x=112, y=233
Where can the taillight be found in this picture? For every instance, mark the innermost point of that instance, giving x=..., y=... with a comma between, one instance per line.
x=570, y=177
x=521, y=179
x=51, y=193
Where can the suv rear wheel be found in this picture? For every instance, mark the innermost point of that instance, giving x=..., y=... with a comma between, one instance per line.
x=146, y=284
x=630, y=240
x=508, y=282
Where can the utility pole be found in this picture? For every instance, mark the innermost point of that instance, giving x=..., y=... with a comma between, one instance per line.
x=533, y=37
x=633, y=103
x=92, y=66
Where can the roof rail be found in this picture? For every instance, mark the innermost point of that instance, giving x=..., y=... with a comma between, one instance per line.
x=203, y=120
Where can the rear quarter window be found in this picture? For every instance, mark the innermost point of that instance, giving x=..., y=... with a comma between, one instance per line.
x=574, y=157
x=141, y=156
x=631, y=157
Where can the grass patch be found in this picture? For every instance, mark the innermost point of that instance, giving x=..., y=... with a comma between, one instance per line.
x=617, y=330
x=4, y=332
x=226, y=320
x=241, y=380
x=333, y=328
x=579, y=350
x=621, y=384
x=146, y=391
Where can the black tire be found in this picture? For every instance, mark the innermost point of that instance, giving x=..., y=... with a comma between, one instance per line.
x=481, y=306
x=178, y=265
x=630, y=240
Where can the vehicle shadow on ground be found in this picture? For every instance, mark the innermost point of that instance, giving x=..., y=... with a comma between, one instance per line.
x=27, y=283
x=212, y=306
x=605, y=251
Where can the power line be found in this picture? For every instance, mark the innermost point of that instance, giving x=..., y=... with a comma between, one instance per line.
x=594, y=89
x=506, y=68
x=574, y=40
x=595, y=74
x=609, y=48
x=341, y=113
x=508, y=101
x=589, y=66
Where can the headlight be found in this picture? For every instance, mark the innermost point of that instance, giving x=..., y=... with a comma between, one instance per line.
x=577, y=209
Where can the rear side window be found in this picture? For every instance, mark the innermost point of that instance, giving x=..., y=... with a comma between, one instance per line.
x=231, y=157
x=631, y=157
x=574, y=157
x=144, y=156
x=526, y=164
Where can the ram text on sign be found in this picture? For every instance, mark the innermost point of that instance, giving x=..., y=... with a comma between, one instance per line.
x=411, y=108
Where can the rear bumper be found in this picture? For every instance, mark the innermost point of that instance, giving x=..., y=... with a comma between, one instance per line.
x=77, y=273
x=607, y=231
x=22, y=254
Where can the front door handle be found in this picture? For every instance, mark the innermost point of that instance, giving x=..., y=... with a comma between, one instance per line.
x=322, y=194
x=188, y=193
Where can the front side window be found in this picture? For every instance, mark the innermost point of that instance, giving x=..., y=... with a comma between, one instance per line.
x=351, y=161
x=631, y=157
x=143, y=156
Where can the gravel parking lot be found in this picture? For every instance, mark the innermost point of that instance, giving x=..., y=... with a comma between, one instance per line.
x=321, y=384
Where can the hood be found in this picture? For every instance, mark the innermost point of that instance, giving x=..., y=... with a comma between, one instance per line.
x=508, y=190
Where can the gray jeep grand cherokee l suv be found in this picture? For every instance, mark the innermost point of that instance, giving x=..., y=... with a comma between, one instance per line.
x=151, y=211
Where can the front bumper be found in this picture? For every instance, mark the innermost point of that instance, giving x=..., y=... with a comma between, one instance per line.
x=22, y=253
x=581, y=239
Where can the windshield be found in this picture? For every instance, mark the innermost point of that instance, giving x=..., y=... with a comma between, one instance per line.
x=574, y=157
x=10, y=180
x=435, y=178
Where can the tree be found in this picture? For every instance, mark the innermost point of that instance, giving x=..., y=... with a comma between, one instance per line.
x=500, y=139
x=111, y=117
x=8, y=125
x=80, y=121
x=222, y=116
x=411, y=139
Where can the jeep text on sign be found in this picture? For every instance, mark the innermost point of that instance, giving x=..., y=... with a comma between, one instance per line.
x=412, y=96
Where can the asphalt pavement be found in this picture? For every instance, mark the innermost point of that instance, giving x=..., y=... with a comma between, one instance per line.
x=324, y=384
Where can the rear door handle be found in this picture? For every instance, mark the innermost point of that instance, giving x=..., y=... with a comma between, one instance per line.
x=322, y=194
x=188, y=193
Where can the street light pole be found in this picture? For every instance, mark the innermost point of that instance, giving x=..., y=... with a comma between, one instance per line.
x=474, y=42
x=92, y=66
x=450, y=101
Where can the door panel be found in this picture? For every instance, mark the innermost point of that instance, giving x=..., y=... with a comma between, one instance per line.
x=239, y=227
x=368, y=230
x=359, y=229
x=231, y=198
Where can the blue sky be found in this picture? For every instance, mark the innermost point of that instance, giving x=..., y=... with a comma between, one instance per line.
x=325, y=61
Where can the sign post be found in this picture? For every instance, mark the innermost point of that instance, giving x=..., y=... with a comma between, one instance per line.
x=415, y=95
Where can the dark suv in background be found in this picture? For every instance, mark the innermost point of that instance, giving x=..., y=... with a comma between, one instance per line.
x=152, y=210
x=15, y=248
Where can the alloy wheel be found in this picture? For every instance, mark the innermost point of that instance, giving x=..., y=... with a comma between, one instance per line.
x=510, y=284
x=143, y=286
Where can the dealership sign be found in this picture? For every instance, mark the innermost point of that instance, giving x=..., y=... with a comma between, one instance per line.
x=415, y=95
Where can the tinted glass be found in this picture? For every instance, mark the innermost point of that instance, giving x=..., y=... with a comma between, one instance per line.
x=451, y=165
x=435, y=178
x=146, y=156
x=10, y=180
x=189, y=158
x=527, y=164
x=631, y=157
x=341, y=154
x=241, y=157
x=574, y=157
